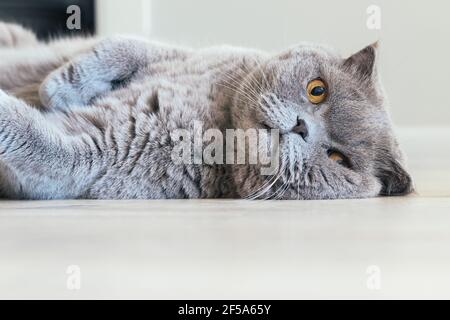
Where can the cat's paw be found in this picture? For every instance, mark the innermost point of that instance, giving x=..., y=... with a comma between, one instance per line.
x=5, y=100
x=56, y=95
x=14, y=35
x=7, y=114
x=7, y=105
x=63, y=90
x=3, y=94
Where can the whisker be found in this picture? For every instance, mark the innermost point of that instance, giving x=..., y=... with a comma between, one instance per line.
x=266, y=186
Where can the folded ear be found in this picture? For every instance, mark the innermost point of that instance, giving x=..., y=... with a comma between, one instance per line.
x=394, y=179
x=363, y=63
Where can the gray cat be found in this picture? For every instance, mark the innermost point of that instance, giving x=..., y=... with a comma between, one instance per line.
x=88, y=118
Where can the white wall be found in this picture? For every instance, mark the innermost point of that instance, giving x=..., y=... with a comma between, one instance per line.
x=415, y=37
x=119, y=16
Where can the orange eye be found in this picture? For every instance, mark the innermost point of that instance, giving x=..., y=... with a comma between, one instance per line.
x=317, y=91
x=338, y=158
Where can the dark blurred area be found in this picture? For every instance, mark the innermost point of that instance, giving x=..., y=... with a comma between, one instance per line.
x=48, y=17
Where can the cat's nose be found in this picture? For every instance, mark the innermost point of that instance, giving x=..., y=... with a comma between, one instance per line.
x=301, y=128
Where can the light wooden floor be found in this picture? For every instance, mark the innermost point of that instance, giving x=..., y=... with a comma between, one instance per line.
x=376, y=248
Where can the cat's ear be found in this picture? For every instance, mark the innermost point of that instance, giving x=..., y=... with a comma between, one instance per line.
x=364, y=62
x=394, y=179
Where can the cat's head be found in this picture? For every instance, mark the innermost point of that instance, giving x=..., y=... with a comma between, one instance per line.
x=336, y=136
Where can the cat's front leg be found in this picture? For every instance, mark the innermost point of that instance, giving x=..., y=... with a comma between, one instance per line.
x=42, y=159
x=93, y=74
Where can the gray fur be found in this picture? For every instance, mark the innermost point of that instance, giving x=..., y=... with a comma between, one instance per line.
x=102, y=126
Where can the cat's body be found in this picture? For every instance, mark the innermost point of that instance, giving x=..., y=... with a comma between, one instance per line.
x=109, y=114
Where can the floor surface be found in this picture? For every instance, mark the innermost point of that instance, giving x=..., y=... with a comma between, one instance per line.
x=375, y=248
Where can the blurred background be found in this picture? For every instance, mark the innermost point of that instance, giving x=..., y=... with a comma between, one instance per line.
x=415, y=46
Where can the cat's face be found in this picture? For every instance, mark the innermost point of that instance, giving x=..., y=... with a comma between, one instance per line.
x=336, y=137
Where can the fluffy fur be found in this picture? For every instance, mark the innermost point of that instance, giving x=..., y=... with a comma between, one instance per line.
x=100, y=127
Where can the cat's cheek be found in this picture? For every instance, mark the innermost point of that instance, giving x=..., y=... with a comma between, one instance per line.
x=370, y=188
